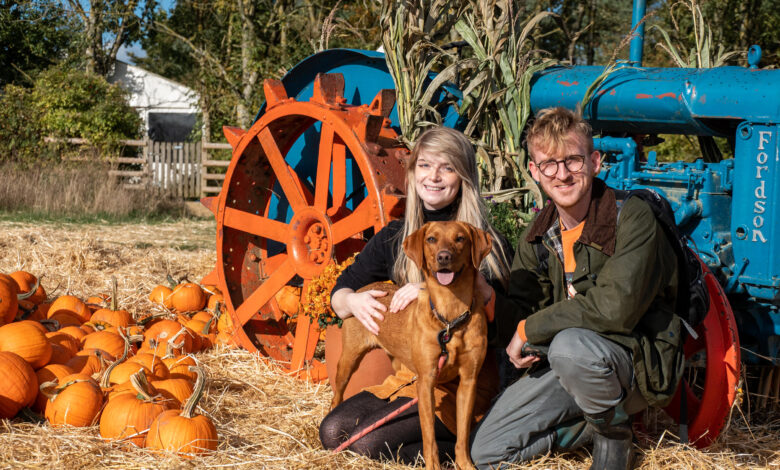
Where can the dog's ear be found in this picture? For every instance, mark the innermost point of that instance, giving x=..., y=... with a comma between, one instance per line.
x=481, y=244
x=413, y=246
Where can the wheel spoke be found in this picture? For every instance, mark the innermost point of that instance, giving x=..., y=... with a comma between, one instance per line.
x=323, y=169
x=307, y=333
x=265, y=292
x=339, y=175
x=257, y=225
x=360, y=219
x=282, y=170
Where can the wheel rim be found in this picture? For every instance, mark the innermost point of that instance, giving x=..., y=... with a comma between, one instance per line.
x=711, y=394
x=281, y=219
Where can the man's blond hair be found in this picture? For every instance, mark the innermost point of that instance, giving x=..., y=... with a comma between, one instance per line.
x=550, y=131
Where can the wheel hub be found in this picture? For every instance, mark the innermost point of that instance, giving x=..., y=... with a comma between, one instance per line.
x=310, y=242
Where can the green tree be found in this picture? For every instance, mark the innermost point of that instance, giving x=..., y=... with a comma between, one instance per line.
x=73, y=103
x=224, y=49
x=105, y=25
x=34, y=35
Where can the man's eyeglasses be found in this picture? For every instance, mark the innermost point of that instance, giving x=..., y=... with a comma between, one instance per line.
x=573, y=163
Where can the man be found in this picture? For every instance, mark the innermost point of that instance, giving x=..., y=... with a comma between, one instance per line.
x=593, y=278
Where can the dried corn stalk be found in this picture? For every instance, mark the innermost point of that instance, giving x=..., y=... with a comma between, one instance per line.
x=412, y=30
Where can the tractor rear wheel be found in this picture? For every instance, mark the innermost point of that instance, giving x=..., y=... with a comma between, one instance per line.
x=711, y=380
x=308, y=183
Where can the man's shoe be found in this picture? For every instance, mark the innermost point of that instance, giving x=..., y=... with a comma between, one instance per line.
x=612, y=443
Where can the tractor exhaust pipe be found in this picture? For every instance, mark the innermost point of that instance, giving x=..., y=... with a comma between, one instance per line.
x=638, y=41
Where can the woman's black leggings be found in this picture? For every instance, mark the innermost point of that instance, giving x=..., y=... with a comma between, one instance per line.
x=399, y=438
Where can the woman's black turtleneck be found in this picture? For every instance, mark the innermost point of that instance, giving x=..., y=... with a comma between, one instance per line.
x=375, y=262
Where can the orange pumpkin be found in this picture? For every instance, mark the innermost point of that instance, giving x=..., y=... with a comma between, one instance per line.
x=216, y=304
x=289, y=299
x=60, y=354
x=188, y=297
x=28, y=282
x=76, y=401
x=175, y=390
x=179, y=367
x=158, y=336
x=18, y=387
x=26, y=339
x=107, y=341
x=156, y=366
x=9, y=300
x=96, y=302
x=72, y=306
x=184, y=432
x=128, y=416
x=27, y=310
x=90, y=361
x=225, y=323
x=123, y=371
x=65, y=340
x=211, y=289
x=73, y=331
x=113, y=315
x=45, y=374
x=162, y=295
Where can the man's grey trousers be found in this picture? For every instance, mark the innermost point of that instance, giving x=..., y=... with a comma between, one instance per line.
x=543, y=411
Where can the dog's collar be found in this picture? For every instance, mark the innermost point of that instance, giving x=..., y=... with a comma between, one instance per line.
x=444, y=335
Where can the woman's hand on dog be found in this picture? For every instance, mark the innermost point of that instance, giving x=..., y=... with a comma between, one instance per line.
x=514, y=351
x=366, y=308
x=404, y=296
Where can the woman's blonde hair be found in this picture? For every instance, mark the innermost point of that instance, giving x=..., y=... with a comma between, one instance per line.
x=459, y=153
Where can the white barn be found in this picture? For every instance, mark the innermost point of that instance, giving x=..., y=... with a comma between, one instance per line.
x=168, y=109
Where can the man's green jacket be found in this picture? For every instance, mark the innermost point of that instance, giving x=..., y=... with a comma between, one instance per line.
x=625, y=282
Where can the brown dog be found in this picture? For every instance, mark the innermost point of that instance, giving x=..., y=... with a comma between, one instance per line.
x=449, y=255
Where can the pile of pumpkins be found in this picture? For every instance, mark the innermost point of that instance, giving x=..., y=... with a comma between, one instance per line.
x=82, y=363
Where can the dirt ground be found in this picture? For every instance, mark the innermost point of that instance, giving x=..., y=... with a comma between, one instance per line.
x=264, y=418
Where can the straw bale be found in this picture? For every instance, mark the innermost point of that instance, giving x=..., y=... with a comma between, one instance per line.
x=265, y=419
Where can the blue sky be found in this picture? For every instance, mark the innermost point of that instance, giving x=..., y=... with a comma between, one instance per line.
x=135, y=48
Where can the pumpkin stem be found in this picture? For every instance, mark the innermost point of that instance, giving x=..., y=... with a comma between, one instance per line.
x=53, y=388
x=188, y=409
x=207, y=326
x=26, y=312
x=171, y=281
x=51, y=325
x=104, y=382
x=114, y=302
x=30, y=293
x=142, y=322
x=141, y=385
x=49, y=389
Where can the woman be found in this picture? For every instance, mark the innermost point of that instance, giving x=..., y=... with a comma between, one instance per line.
x=442, y=184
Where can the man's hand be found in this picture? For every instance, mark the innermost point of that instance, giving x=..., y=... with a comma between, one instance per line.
x=365, y=307
x=404, y=296
x=514, y=351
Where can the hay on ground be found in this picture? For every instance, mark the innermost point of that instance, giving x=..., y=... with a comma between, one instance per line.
x=265, y=418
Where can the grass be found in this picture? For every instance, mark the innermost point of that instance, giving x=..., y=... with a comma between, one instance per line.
x=78, y=194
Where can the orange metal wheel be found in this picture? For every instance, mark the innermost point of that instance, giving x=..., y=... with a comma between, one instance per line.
x=308, y=183
x=712, y=371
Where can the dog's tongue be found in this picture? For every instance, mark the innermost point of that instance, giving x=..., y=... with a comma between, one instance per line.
x=445, y=278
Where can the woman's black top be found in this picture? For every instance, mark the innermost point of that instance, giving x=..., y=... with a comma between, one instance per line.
x=375, y=262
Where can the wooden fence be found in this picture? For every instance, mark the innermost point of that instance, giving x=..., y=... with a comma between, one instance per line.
x=183, y=169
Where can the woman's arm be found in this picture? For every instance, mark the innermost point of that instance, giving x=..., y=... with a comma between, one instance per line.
x=361, y=305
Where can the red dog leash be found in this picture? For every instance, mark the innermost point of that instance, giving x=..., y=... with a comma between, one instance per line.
x=393, y=414
x=443, y=338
